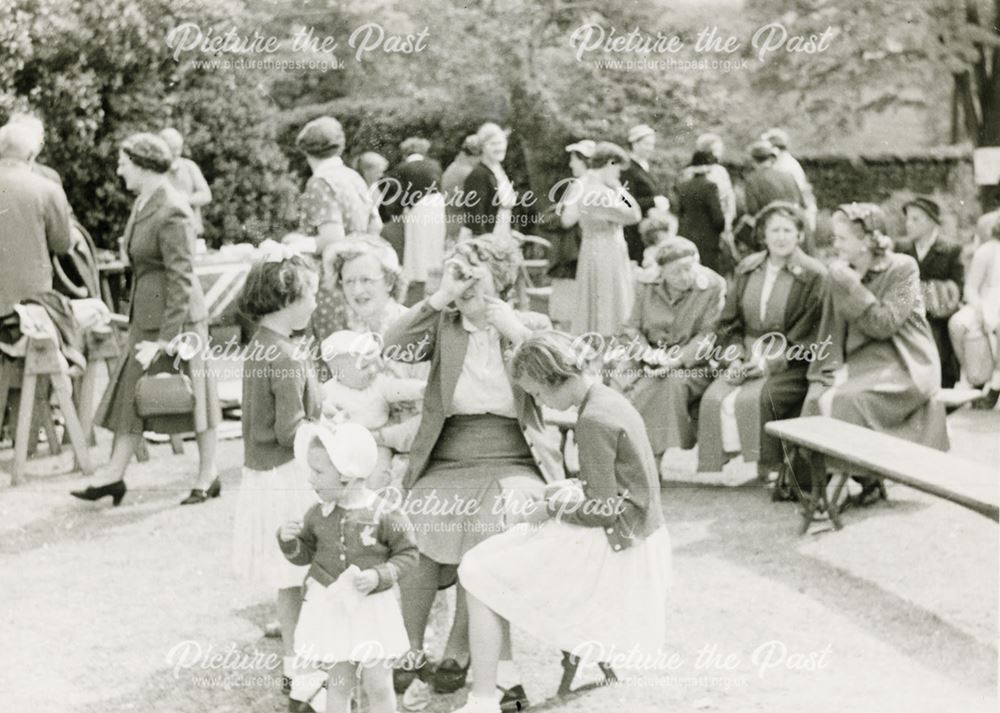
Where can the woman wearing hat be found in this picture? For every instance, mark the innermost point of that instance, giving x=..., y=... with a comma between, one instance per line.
x=699, y=210
x=881, y=370
x=942, y=276
x=481, y=448
x=487, y=194
x=764, y=338
x=166, y=303
x=673, y=323
x=562, y=230
x=602, y=207
x=336, y=205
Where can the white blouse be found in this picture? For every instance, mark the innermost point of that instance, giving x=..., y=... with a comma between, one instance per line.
x=483, y=386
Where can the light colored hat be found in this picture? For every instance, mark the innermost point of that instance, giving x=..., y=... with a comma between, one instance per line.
x=347, y=341
x=321, y=135
x=637, y=133
x=350, y=446
x=585, y=148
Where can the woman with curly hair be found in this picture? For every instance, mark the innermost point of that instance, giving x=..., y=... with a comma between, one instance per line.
x=481, y=452
x=882, y=368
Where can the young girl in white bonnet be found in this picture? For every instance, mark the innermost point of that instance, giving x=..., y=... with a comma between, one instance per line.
x=357, y=545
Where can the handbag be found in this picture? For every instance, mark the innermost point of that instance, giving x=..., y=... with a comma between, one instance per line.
x=942, y=298
x=166, y=393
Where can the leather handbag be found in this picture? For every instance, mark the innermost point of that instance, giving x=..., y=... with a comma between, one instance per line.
x=164, y=394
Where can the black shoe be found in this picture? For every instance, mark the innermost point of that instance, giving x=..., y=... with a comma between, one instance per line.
x=411, y=666
x=514, y=699
x=871, y=492
x=449, y=677
x=286, y=684
x=199, y=496
x=987, y=402
x=116, y=490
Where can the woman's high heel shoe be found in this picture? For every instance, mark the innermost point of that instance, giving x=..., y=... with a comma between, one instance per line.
x=199, y=496
x=116, y=490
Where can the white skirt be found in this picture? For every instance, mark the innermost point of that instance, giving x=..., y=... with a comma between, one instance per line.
x=267, y=500
x=565, y=585
x=338, y=624
x=424, y=229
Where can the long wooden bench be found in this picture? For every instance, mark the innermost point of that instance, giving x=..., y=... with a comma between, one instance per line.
x=861, y=451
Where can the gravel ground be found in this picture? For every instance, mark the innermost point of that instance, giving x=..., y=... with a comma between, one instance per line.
x=104, y=609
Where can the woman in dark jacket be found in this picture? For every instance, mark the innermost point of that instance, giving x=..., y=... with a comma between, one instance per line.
x=481, y=444
x=166, y=312
x=767, y=335
x=487, y=194
x=699, y=210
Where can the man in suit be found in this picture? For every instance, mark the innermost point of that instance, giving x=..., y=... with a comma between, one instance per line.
x=637, y=180
x=940, y=262
x=699, y=210
x=34, y=219
x=37, y=128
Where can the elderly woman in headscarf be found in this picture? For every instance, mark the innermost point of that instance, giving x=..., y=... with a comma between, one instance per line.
x=766, y=335
x=336, y=205
x=481, y=449
x=671, y=332
x=882, y=369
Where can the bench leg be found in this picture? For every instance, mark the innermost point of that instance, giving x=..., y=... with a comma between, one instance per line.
x=5, y=384
x=834, y=505
x=177, y=444
x=141, y=451
x=815, y=501
x=21, y=435
x=45, y=414
x=64, y=393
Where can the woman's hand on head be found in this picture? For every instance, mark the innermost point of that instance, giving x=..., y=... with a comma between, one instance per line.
x=456, y=278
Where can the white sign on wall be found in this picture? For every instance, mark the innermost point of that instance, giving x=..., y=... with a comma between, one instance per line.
x=986, y=162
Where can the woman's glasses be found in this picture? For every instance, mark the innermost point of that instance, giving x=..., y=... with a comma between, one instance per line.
x=361, y=282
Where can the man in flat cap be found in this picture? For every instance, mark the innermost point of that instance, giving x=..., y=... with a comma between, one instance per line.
x=640, y=184
x=34, y=219
x=942, y=275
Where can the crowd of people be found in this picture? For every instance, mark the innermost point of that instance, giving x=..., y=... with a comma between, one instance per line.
x=394, y=439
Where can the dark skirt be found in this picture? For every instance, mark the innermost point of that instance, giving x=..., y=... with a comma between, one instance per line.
x=479, y=470
x=117, y=412
x=760, y=401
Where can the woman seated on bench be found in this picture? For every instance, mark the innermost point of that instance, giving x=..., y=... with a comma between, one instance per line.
x=882, y=369
x=767, y=335
x=673, y=324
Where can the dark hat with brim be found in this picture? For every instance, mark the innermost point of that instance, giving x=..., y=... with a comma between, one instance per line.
x=321, y=136
x=927, y=205
x=762, y=150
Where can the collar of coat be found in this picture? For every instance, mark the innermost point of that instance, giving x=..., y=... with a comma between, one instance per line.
x=800, y=266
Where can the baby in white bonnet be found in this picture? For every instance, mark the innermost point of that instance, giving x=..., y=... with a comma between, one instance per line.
x=360, y=392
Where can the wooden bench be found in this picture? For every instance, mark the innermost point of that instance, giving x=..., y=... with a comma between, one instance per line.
x=861, y=451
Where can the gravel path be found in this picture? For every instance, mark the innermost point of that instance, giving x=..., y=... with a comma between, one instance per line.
x=897, y=612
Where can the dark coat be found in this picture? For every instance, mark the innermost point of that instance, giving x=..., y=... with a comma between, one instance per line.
x=641, y=186
x=415, y=180
x=159, y=241
x=700, y=217
x=479, y=200
x=425, y=334
x=766, y=184
x=942, y=262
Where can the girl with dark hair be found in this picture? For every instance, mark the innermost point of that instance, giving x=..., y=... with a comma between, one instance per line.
x=280, y=393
